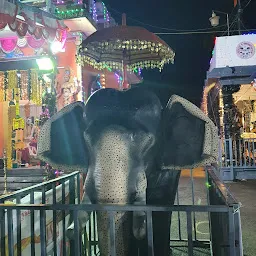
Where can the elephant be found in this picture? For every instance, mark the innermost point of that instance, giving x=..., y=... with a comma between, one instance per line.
x=132, y=150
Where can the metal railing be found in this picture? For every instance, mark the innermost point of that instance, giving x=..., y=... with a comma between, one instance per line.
x=237, y=159
x=217, y=211
x=238, y=153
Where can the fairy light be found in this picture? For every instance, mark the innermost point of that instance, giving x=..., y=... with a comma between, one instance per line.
x=105, y=12
x=71, y=13
x=60, y=2
x=95, y=16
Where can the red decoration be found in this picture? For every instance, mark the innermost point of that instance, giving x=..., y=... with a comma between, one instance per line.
x=8, y=13
x=34, y=43
x=8, y=45
x=2, y=25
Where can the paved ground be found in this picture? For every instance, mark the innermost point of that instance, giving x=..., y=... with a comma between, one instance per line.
x=245, y=192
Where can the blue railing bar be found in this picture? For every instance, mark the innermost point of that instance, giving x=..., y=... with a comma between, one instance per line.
x=179, y=222
x=231, y=232
x=208, y=201
x=204, y=241
x=54, y=220
x=112, y=233
x=193, y=201
x=10, y=233
x=43, y=232
x=123, y=208
x=76, y=233
x=90, y=236
x=94, y=231
x=2, y=237
x=32, y=225
x=150, y=234
x=63, y=199
x=189, y=230
x=78, y=188
x=38, y=186
x=18, y=229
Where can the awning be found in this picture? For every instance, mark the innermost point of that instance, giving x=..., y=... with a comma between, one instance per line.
x=23, y=19
x=17, y=64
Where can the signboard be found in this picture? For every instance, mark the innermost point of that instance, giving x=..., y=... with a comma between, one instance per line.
x=234, y=51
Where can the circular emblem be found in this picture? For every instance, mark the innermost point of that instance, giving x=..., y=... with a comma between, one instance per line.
x=245, y=50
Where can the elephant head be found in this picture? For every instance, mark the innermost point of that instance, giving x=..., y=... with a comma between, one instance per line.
x=121, y=139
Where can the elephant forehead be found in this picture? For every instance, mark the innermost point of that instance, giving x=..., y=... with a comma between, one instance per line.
x=114, y=140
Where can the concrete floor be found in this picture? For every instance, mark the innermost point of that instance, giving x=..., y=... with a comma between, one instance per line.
x=245, y=192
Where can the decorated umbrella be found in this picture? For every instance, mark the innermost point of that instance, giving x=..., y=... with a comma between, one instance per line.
x=124, y=48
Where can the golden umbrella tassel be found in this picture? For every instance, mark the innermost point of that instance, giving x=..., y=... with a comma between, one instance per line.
x=125, y=82
x=124, y=48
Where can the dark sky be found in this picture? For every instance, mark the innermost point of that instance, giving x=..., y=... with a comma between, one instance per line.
x=186, y=77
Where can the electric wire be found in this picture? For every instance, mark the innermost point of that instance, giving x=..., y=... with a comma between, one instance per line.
x=199, y=32
x=247, y=4
x=164, y=28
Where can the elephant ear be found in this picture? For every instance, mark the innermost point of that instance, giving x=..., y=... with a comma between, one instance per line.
x=61, y=140
x=190, y=138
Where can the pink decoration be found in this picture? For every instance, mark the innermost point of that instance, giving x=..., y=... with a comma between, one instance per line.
x=8, y=45
x=34, y=43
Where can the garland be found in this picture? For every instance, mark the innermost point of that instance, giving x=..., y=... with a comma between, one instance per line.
x=9, y=148
x=29, y=85
x=12, y=79
x=5, y=85
x=11, y=83
x=2, y=86
x=35, y=88
x=24, y=85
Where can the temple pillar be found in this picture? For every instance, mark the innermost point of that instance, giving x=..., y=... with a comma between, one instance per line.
x=228, y=119
x=228, y=103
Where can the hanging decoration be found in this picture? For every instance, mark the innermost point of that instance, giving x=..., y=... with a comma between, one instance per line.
x=22, y=42
x=70, y=13
x=2, y=86
x=35, y=97
x=35, y=44
x=100, y=54
x=23, y=85
x=37, y=25
x=12, y=79
x=8, y=45
x=9, y=147
x=18, y=122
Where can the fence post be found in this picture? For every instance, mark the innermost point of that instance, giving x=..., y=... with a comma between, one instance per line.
x=238, y=230
x=230, y=148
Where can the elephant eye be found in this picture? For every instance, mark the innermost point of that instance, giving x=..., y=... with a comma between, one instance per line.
x=132, y=136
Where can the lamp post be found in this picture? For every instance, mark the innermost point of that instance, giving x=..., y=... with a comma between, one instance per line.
x=215, y=20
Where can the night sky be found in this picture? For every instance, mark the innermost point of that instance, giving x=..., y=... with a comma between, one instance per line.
x=193, y=52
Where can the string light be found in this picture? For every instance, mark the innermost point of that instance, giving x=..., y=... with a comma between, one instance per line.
x=105, y=12
x=94, y=11
x=60, y=2
x=70, y=13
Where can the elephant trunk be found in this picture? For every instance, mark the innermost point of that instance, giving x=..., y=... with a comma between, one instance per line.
x=114, y=178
